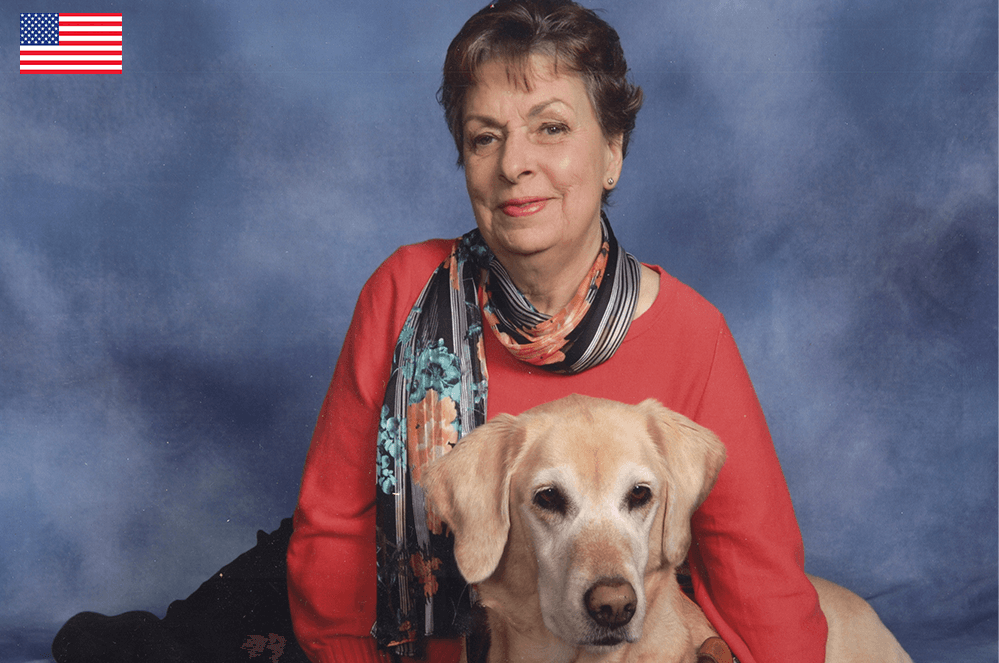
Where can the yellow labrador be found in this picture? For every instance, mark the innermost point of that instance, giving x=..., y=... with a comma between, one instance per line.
x=559, y=521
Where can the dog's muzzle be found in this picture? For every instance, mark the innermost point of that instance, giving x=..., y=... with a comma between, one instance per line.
x=611, y=604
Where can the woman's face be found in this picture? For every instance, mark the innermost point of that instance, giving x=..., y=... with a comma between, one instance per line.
x=536, y=163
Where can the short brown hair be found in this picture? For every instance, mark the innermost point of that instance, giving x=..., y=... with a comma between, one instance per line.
x=572, y=35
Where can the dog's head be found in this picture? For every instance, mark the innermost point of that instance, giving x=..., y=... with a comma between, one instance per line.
x=596, y=492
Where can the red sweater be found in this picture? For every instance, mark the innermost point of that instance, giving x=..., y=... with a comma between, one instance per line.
x=747, y=558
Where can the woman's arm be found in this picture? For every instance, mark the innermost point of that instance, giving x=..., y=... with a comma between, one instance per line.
x=331, y=556
x=748, y=558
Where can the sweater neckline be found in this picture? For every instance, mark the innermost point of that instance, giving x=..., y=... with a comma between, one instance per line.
x=648, y=320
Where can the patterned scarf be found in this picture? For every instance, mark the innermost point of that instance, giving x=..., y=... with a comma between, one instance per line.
x=437, y=392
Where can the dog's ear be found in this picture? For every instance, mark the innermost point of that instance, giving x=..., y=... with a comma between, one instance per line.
x=469, y=489
x=692, y=457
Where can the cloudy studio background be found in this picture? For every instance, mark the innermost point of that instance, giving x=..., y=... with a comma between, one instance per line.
x=181, y=247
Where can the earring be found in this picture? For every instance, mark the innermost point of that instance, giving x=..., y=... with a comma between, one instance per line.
x=610, y=181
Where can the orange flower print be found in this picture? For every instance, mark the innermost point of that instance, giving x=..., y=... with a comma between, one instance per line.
x=546, y=341
x=480, y=352
x=430, y=430
x=407, y=634
x=454, y=272
x=546, y=349
x=424, y=571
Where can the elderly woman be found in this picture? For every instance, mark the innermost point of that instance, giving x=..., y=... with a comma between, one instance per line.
x=538, y=302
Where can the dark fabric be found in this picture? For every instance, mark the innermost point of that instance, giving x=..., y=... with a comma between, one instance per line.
x=90, y=637
x=239, y=614
x=435, y=394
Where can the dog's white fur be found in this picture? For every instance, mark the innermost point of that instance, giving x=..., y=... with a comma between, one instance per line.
x=583, y=492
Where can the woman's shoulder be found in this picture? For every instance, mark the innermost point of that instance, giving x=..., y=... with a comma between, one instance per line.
x=429, y=253
x=682, y=328
x=410, y=266
x=390, y=292
x=678, y=301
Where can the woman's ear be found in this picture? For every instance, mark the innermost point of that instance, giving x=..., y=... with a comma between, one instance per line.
x=615, y=161
x=469, y=489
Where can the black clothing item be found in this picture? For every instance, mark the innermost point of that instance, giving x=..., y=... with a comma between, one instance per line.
x=239, y=614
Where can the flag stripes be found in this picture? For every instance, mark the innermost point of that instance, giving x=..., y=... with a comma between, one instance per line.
x=71, y=43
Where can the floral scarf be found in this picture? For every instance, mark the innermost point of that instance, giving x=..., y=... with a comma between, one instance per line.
x=437, y=392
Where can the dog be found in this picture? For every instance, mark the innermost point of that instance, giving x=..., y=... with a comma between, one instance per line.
x=561, y=522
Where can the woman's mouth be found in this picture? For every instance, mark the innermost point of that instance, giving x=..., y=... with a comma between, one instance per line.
x=523, y=206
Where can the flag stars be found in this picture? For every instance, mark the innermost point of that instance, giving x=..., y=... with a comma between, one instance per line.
x=39, y=29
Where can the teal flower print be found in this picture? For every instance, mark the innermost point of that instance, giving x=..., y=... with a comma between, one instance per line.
x=435, y=368
x=390, y=450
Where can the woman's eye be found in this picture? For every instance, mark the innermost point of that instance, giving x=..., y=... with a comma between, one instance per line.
x=482, y=140
x=554, y=130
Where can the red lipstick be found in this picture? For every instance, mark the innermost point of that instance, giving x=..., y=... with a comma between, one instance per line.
x=523, y=206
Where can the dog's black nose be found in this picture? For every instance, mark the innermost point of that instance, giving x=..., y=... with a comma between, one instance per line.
x=611, y=603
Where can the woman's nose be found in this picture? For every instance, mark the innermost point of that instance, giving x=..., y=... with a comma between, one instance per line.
x=516, y=157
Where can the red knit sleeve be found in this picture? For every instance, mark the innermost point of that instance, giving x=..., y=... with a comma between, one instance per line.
x=748, y=558
x=331, y=556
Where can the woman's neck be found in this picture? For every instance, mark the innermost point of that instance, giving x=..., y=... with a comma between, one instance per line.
x=548, y=279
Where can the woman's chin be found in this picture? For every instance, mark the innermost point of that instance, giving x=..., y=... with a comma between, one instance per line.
x=522, y=248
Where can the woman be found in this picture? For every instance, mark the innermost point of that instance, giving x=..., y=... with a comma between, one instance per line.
x=538, y=302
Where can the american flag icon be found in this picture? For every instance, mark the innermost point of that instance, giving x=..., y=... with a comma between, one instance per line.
x=70, y=43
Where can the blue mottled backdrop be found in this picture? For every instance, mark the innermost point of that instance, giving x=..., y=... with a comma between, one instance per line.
x=181, y=247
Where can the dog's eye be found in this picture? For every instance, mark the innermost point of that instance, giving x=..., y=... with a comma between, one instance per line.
x=638, y=497
x=551, y=499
